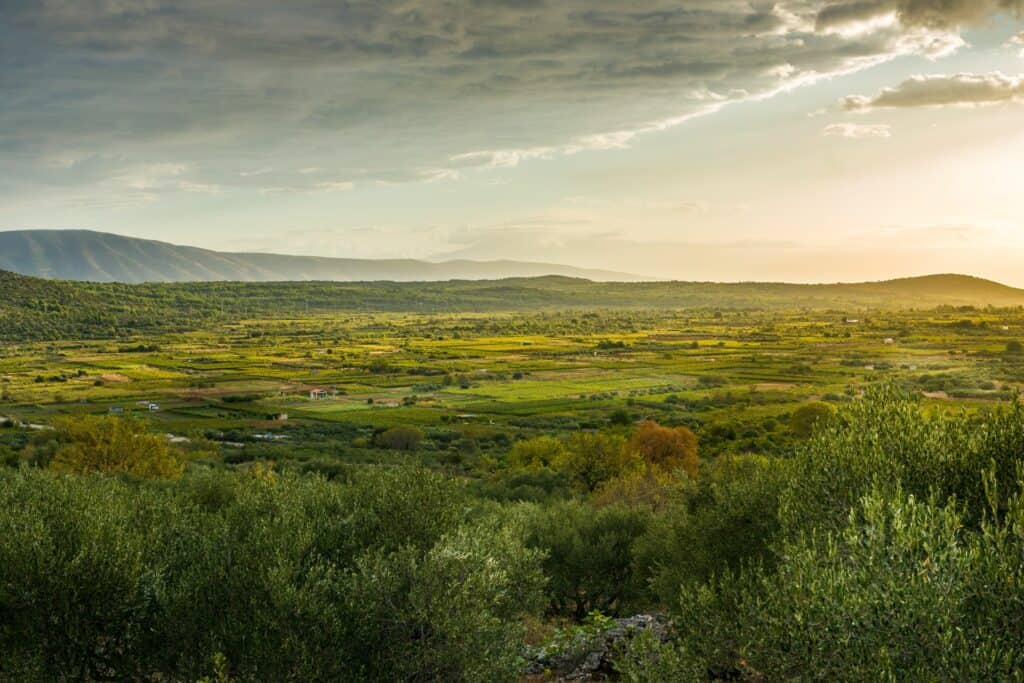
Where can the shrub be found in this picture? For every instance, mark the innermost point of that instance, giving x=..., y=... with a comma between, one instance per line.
x=809, y=417
x=903, y=592
x=589, y=555
x=451, y=614
x=528, y=486
x=620, y=416
x=402, y=438
x=541, y=452
x=382, y=577
x=890, y=438
x=726, y=519
x=590, y=459
x=897, y=553
x=115, y=445
x=666, y=448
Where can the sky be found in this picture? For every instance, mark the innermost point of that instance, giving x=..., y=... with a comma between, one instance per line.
x=797, y=140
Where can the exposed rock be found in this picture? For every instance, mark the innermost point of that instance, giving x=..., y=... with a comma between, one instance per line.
x=589, y=657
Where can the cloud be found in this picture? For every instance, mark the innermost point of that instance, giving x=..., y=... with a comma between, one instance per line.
x=1017, y=41
x=857, y=131
x=941, y=14
x=335, y=185
x=407, y=90
x=942, y=90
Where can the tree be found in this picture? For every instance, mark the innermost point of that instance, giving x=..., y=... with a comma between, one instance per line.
x=646, y=486
x=538, y=453
x=809, y=417
x=401, y=438
x=591, y=459
x=115, y=446
x=666, y=448
x=1014, y=347
x=588, y=555
x=620, y=417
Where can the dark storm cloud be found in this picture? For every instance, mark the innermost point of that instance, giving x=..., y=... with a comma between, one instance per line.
x=390, y=88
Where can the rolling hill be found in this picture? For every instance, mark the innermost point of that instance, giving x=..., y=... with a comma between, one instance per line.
x=103, y=257
x=37, y=308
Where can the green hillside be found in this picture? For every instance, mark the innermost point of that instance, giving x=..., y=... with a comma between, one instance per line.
x=36, y=308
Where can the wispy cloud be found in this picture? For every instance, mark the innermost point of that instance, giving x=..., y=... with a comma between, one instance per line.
x=335, y=185
x=857, y=131
x=1017, y=42
x=964, y=89
x=255, y=172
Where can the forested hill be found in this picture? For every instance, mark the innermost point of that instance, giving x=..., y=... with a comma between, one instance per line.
x=35, y=308
x=103, y=257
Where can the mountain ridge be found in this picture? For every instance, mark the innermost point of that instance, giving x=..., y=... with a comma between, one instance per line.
x=92, y=256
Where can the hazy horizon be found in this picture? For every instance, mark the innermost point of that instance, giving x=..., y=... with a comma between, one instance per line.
x=711, y=140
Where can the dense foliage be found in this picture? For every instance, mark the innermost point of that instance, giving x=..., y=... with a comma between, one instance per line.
x=115, y=446
x=895, y=552
x=384, y=577
x=442, y=511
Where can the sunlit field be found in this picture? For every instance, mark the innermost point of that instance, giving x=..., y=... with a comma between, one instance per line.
x=732, y=376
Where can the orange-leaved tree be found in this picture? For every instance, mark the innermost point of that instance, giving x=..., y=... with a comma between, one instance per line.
x=666, y=448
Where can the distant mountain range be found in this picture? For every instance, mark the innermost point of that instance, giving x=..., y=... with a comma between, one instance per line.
x=104, y=257
x=269, y=282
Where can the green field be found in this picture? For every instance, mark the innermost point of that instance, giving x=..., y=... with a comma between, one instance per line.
x=732, y=376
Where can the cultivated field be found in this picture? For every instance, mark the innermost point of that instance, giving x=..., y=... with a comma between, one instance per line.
x=476, y=382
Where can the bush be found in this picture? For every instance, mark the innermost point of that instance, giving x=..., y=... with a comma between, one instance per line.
x=723, y=521
x=528, y=486
x=809, y=417
x=897, y=553
x=902, y=592
x=589, y=555
x=539, y=453
x=889, y=439
x=590, y=459
x=448, y=615
x=383, y=577
x=115, y=445
x=665, y=448
x=402, y=438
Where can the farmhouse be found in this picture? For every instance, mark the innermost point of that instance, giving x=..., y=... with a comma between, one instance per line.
x=317, y=394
